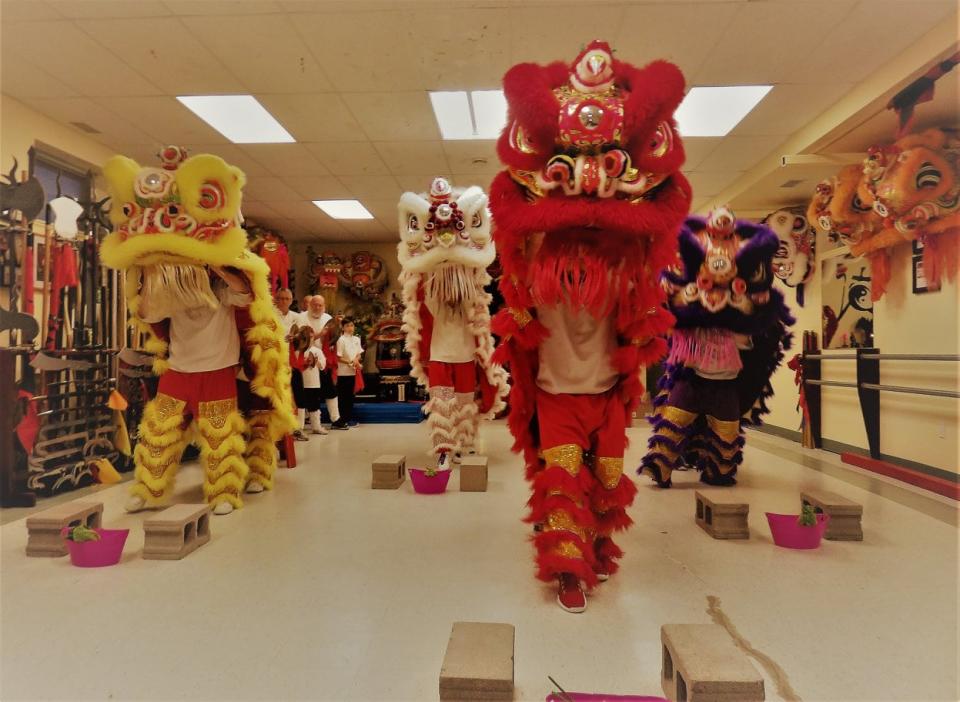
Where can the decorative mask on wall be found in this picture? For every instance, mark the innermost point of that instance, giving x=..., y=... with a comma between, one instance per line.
x=795, y=259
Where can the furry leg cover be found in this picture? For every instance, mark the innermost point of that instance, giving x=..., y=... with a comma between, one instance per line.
x=261, y=453
x=222, y=446
x=672, y=428
x=467, y=421
x=442, y=421
x=157, y=455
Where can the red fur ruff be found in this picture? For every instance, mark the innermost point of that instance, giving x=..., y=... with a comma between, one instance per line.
x=550, y=564
x=607, y=553
x=941, y=256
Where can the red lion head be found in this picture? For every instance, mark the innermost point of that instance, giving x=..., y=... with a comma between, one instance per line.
x=593, y=180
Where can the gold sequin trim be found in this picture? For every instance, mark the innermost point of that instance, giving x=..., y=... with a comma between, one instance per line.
x=568, y=549
x=216, y=412
x=166, y=406
x=557, y=492
x=608, y=471
x=260, y=453
x=678, y=416
x=560, y=520
x=728, y=430
x=158, y=470
x=521, y=316
x=567, y=456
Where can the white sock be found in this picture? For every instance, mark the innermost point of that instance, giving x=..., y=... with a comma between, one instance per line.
x=315, y=421
x=333, y=408
x=301, y=418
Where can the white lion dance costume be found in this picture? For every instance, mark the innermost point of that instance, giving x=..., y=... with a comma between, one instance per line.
x=445, y=249
x=202, y=300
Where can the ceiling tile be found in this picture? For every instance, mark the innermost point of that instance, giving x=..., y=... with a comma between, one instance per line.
x=21, y=79
x=366, y=230
x=737, y=153
x=683, y=33
x=258, y=211
x=318, y=187
x=384, y=210
x=373, y=187
x=27, y=11
x=788, y=108
x=98, y=73
x=476, y=156
x=222, y=7
x=698, y=148
x=112, y=128
x=394, y=116
x=313, y=117
x=413, y=156
x=869, y=38
x=383, y=48
x=768, y=40
x=467, y=48
x=285, y=159
x=269, y=189
x=263, y=51
x=164, y=118
x=232, y=154
x=349, y=158
x=165, y=52
x=301, y=210
x=709, y=184
x=107, y=8
x=538, y=37
x=465, y=180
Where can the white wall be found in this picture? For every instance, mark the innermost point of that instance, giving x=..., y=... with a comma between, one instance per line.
x=916, y=428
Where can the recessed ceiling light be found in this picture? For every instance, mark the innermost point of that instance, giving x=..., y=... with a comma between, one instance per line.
x=343, y=209
x=712, y=111
x=240, y=118
x=479, y=114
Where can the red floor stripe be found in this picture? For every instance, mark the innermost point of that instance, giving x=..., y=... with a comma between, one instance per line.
x=932, y=483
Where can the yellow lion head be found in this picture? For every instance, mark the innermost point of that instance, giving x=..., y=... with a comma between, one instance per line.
x=838, y=206
x=186, y=210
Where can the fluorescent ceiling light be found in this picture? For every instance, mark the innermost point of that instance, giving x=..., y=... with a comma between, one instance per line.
x=714, y=110
x=479, y=114
x=240, y=118
x=343, y=209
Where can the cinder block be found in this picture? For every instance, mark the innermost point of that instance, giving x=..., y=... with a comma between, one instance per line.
x=43, y=529
x=478, y=664
x=176, y=532
x=389, y=472
x=722, y=519
x=473, y=474
x=702, y=664
x=845, y=515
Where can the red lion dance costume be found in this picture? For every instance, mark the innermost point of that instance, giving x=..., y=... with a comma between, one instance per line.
x=585, y=215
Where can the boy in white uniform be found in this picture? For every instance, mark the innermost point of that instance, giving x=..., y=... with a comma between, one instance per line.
x=349, y=352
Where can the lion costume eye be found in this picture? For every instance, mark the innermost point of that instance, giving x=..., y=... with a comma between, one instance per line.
x=211, y=196
x=477, y=219
x=129, y=209
x=928, y=176
x=857, y=204
x=413, y=223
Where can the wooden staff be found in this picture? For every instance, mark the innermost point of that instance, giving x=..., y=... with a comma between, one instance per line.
x=47, y=286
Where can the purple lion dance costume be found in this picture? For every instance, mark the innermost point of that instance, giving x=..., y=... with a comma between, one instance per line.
x=730, y=336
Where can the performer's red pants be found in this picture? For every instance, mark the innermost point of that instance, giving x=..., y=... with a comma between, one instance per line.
x=579, y=502
x=462, y=377
x=194, y=388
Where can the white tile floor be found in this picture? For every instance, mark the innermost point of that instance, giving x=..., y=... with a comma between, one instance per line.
x=327, y=590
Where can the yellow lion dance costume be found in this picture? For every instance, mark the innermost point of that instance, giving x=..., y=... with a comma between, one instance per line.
x=203, y=302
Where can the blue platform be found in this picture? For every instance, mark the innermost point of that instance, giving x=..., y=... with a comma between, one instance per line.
x=385, y=412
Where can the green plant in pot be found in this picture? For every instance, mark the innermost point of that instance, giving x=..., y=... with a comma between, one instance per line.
x=808, y=516
x=81, y=534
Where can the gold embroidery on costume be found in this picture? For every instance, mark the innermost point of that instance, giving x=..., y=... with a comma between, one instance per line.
x=560, y=520
x=568, y=549
x=167, y=406
x=567, y=456
x=728, y=430
x=521, y=316
x=608, y=471
x=677, y=416
x=216, y=412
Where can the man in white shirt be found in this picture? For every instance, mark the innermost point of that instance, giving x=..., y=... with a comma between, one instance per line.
x=283, y=299
x=349, y=353
x=323, y=325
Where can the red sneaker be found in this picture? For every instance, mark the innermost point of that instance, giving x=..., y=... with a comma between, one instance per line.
x=603, y=573
x=569, y=596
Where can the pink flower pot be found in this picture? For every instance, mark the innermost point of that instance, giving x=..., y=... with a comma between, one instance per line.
x=594, y=697
x=788, y=533
x=96, y=554
x=429, y=484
